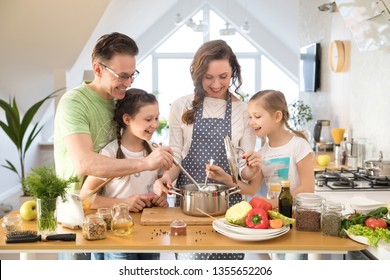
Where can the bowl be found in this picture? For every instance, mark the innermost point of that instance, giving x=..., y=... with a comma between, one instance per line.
x=87, y=201
x=364, y=205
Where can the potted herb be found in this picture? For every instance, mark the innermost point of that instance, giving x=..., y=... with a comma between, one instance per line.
x=16, y=130
x=47, y=187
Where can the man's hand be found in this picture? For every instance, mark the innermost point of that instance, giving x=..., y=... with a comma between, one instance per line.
x=161, y=156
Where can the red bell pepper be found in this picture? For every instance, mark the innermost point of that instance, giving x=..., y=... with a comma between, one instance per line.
x=258, y=202
x=257, y=218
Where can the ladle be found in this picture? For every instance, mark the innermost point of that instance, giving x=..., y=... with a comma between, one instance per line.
x=207, y=175
x=176, y=162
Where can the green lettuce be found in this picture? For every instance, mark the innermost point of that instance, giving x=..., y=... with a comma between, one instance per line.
x=373, y=235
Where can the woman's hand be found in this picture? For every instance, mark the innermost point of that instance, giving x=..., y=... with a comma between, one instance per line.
x=218, y=174
x=162, y=185
x=253, y=165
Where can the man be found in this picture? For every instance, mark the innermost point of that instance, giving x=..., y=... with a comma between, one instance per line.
x=84, y=118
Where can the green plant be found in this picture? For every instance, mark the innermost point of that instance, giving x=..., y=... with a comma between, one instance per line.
x=300, y=114
x=162, y=124
x=16, y=130
x=43, y=183
x=46, y=187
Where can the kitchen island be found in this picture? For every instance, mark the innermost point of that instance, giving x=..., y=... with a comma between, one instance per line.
x=199, y=238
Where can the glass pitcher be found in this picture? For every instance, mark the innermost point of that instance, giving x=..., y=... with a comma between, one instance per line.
x=122, y=223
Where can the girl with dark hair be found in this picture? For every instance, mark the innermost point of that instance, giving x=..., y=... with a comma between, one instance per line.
x=136, y=117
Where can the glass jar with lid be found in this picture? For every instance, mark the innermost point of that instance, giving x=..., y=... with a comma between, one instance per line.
x=105, y=213
x=331, y=218
x=308, y=211
x=12, y=222
x=94, y=227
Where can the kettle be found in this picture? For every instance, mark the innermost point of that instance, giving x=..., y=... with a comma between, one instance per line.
x=322, y=133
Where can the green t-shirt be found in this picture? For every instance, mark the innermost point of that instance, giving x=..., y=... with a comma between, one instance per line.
x=81, y=110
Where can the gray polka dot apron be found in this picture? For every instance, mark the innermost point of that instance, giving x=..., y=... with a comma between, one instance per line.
x=207, y=142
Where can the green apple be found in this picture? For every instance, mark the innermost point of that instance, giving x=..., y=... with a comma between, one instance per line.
x=323, y=160
x=28, y=210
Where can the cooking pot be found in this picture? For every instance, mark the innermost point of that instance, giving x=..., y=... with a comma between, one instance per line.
x=378, y=167
x=213, y=199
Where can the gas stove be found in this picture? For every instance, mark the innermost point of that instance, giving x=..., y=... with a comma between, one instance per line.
x=350, y=179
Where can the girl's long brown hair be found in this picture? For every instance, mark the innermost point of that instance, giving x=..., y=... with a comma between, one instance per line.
x=212, y=50
x=273, y=101
x=131, y=104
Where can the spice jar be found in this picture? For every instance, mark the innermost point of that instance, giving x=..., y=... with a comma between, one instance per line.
x=308, y=211
x=178, y=227
x=12, y=222
x=105, y=213
x=94, y=227
x=331, y=218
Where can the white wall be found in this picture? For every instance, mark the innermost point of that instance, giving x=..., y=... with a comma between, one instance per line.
x=358, y=99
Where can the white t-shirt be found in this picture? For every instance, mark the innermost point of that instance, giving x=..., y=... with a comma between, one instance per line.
x=180, y=134
x=282, y=161
x=138, y=183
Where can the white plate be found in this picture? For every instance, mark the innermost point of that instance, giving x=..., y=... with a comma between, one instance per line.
x=363, y=202
x=363, y=240
x=220, y=227
x=364, y=205
x=254, y=231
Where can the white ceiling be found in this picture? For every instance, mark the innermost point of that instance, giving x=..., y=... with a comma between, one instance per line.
x=38, y=37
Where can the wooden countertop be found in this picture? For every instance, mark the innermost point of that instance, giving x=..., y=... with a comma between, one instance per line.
x=198, y=238
x=332, y=165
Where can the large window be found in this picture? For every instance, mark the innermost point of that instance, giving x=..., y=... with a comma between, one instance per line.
x=166, y=70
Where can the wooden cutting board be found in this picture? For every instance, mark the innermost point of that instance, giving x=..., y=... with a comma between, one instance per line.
x=164, y=216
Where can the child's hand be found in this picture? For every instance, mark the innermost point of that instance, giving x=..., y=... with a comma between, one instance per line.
x=218, y=174
x=253, y=165
x=160, y=201
x=138, y=202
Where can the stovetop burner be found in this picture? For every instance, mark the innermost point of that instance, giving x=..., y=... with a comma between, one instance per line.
x=351, y=179
x=344, y=184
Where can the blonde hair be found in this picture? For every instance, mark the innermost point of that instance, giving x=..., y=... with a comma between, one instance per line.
x=273, y=101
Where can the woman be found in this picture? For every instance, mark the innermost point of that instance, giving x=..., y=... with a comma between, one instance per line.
x=199, y=122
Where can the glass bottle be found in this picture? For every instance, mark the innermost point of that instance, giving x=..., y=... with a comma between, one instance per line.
x=94, y=227
x=11, y=223
x=331, y=218
x=122, y=223
x=308, y=211
x=285, y=200
x=105, y=213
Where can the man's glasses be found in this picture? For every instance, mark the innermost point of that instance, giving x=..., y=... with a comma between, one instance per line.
x=121, y=78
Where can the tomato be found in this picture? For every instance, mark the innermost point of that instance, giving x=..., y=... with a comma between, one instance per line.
x=258, y=202
x=375, y=223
